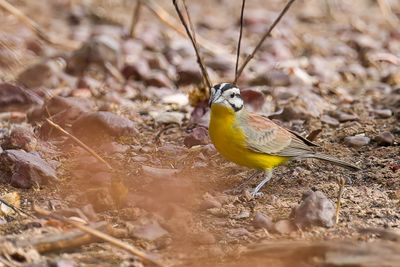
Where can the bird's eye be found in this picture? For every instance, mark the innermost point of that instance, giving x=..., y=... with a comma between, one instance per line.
x=232, y=95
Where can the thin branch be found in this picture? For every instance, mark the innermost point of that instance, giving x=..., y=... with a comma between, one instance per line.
x=207, y=78
x=190, y=21
x=239, y=41
x=135, y=18
x=79, y=142
x=116, y=242
x=54, y=242
x=169, y=21
x=15, y=209
x=42, y=34
x=195, y=46
x=249, y=57
x=103, y=236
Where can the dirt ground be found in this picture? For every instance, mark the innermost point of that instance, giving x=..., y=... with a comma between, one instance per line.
x=330, y=67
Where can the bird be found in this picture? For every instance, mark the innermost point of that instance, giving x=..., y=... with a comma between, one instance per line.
x=254, y=141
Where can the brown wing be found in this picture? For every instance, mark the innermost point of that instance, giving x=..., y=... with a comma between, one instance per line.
x=264, y=136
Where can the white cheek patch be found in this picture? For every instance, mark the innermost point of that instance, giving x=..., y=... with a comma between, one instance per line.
x=236, y=103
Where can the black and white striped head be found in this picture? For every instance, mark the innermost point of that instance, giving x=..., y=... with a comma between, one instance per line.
x=226, y=94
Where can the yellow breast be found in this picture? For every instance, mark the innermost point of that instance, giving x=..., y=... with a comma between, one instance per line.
x=229, y=140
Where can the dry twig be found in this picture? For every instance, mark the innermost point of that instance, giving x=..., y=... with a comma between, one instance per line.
x=56, y=41
x=49, y=243
x=135, y=17
x=79, y=142
x=192, y=38
x=239, y=41
x=103, y=236
x=15, y=209
x=249, y=57
x=168, y=20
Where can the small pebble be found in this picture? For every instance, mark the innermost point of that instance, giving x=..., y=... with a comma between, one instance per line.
x=199, y=136
x=237, y=232
x=383, y=113
x=262, y=221
x=385, y=139
x=284, y=227
x=139, y=158
x=344, y=117
x=209, y=202
x=242, y=215
x=315, y=209
x=357, y=141
x=329, y=120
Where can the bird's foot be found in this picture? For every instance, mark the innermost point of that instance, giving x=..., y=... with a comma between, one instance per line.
x=257, y=194
x=253, y=194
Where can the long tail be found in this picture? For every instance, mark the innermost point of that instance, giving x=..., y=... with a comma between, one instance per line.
x=333, y=160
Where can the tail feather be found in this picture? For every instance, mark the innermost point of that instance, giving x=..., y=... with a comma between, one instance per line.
x=335, y=161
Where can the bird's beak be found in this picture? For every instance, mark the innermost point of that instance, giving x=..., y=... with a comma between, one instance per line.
x=210, y=100
x=214, y=95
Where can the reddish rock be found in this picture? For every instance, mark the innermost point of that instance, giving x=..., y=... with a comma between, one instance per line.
x=21, y=137
x=97, y=124
x=188, y=73
x=13, y=95
x=158, y=79
x=26, y=169
x=199, y=136
x=263, y=221
x=98, y=50
x=385, y=139
x=137, y=70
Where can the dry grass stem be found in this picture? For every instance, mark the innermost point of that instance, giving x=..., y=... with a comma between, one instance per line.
x=169, y=21
x=239, y=41
x=267, y=33
x=341, y=182
x=192, y=38
x=79, y=142
x=135, y=18
x=103, y=236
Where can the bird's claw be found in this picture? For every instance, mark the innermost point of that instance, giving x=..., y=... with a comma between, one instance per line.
x=255, y=194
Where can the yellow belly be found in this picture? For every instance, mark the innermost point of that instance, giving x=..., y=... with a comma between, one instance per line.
x=230, y=141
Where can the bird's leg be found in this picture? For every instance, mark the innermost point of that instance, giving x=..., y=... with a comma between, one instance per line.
x=261, y=184
x=341, y=182
x=246, y=181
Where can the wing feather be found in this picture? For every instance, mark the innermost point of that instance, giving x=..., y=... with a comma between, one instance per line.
x=264, y=136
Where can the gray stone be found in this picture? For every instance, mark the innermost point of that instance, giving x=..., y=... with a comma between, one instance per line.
x=357, y=141
x=315, y=209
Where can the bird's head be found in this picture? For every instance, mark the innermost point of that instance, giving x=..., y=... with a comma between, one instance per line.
x=226, y=94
